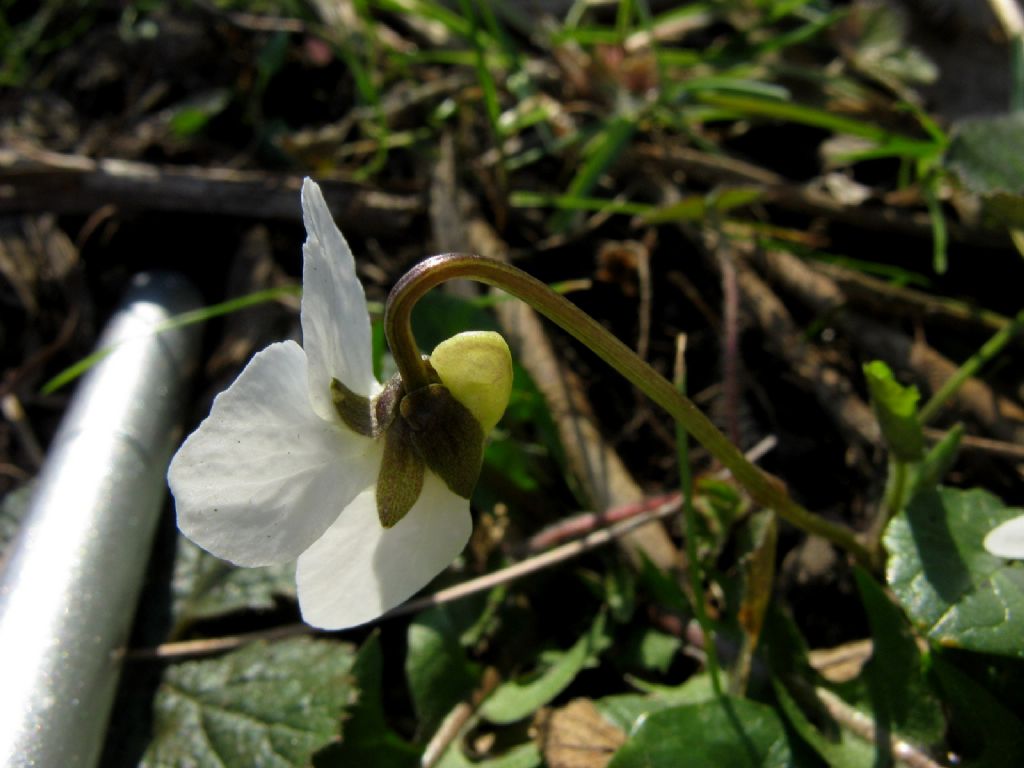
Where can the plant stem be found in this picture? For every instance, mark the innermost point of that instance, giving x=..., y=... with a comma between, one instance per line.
x=693, y=565
x=971, y=366
x=767, y=490
x=892, y=503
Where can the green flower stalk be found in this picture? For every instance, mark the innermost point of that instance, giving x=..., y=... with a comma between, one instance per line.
x=767, y=490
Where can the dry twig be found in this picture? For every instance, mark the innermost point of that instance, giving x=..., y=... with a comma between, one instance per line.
x=999, y=415
x=39, y=180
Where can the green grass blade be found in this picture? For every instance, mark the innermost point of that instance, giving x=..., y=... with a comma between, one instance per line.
x=572, y=204
x=797, y=113
x=185, y=318
x=989, y=350
x=604, y=150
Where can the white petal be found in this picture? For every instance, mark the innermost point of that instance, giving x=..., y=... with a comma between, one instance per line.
x=335, y=320
x=1007, y=539
x=263, y=476
x=358, y=570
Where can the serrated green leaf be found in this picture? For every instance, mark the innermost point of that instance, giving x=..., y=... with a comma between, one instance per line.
x=952, y=589
x=902, y=702
x=727, y=731
x=518, y=699
x=895, y=408
x=206, y=587
x=266, y=705
x=436, y=667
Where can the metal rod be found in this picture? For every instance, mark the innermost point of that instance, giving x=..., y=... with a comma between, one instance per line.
x=71, y=581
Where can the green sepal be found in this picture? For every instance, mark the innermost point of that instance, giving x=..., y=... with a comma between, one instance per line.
x=363, y=415
x=895, y=408
x=400, y=480
x=447, y=436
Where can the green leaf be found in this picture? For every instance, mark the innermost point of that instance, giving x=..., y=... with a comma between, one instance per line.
x=902, y=702
x=520, y=756
x=436, y=667
x=728, y=731
x=991, y=736
x=367, y=739
x=624, y=710
x=985, y=154
x=518, y=699
x=205, y=586
x=895, y=408
x=651, y=650
x=952, y=589
x=839, y=748
x=266, y=705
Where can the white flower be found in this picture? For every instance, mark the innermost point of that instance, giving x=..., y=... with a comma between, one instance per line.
x=1007, y=539
x=273, y=474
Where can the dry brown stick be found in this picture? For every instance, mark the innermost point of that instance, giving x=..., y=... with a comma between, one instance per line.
x=781, y=334
x=980, y=444
x=717, y=169
x=831, y=387
x=862, y=725
x=458, y=720
x=1002, y=417
x=12, y=411
x=39, y=180
x=881, y=294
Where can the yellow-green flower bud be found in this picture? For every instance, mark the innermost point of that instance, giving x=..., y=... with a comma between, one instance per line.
x=476, y=367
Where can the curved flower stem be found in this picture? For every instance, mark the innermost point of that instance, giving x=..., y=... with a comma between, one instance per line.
x=767, y=490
